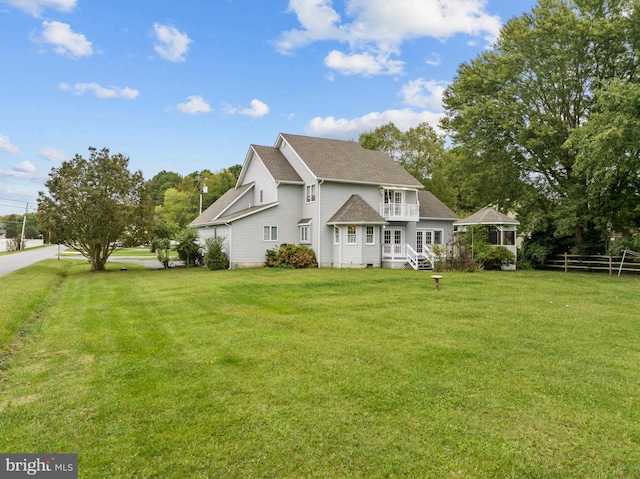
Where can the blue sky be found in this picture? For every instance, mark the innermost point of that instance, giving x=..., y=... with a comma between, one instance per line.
x=185, y=86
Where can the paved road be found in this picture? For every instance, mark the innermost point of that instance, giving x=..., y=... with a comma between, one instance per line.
x=12, y=262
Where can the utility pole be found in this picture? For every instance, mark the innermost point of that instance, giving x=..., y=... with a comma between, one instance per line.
x=24, y=222
x=203, y=190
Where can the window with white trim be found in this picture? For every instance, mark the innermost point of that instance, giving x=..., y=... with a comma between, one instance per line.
x=352, y=237
x=311, y=193
x=371, y=236
x=336, y=235
x=304, y=234
x=270, y=233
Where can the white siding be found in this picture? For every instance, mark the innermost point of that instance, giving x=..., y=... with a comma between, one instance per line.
x=249, y=246
x=333, y=196
x=445, y=225
x=258, y=173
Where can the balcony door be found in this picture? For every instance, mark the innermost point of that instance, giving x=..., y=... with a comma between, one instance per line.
x=394, y=200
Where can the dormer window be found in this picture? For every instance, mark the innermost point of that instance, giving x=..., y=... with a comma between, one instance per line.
x=311, y=193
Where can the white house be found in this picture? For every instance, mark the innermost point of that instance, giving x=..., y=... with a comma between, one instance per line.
x=354, y=207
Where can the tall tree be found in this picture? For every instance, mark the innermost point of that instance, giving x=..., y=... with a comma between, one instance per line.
x=420, y=150
x=160, y=183
x=511, y=111
x=608, y=152
x=91, y=203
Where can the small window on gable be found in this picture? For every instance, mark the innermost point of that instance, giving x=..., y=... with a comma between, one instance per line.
x=261, y=196
x=352, y=237
x=270, y=233
x=311, y=193
x=371, y=237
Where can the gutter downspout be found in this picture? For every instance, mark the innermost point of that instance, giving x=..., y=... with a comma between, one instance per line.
x=230, y=243
x=319, y=252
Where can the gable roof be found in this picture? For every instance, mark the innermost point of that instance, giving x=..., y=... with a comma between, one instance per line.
x=487, y=216
x=347, y=161
x=432, y=208
x=219, y=206
x=277, y=165
x=356, y=211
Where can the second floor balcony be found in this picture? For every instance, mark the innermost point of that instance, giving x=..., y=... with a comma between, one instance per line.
x=400, y=211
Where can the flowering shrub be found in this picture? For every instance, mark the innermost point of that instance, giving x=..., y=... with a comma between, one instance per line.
x=291, y=256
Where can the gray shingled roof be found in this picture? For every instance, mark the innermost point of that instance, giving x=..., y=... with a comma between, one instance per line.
x=348, y=161
x=487, y=216
x=431, y=207
x=278, y=166
x=356, y=211
x=217, y=208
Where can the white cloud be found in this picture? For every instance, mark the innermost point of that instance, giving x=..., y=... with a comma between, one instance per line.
x=424, y=94
x=195, y=105
x=172, y=45
x=51, y=154
x=435, y=60
x=100, y=91
x=65, y=41
x=25, y=167
x=7, y=147
x=365, y=64
x=375, y=29
x=319, y=21
x=35, y=7
x=347, y=129
x=256, y=110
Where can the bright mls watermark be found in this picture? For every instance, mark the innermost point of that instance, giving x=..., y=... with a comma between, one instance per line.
x=49, y=466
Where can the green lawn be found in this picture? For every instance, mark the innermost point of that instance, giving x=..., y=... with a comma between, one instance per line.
x=322, y=373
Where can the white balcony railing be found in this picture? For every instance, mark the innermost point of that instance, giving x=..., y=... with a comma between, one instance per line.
x=400, y=211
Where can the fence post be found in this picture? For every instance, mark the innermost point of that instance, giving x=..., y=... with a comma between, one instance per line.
x=566, y=263
x=610, y=265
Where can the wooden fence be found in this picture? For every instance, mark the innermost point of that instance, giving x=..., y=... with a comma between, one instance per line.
x=603, y=264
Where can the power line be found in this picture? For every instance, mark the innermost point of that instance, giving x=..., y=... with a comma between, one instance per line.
x=17, y=201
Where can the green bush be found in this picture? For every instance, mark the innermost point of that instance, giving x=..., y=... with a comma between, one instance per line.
x=162, y=248
x=215, y=257
x=494, y=257
x=187, y=247
x=291, y=256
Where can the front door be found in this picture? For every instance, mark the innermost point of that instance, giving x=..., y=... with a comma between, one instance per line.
x=393, y=243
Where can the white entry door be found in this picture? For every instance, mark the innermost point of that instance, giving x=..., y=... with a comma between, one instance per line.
x=393, y=243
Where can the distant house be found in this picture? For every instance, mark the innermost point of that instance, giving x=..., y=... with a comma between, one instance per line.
x=354, y=207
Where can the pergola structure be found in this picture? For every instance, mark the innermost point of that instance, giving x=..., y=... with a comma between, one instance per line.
x=502, y=228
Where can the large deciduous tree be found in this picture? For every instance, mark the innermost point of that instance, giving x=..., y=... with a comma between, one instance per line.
x=512, y=111
x=92, y=203
x=420, y=150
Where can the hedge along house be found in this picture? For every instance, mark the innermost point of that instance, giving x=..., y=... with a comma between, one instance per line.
x=502, y=229
x=354, y=207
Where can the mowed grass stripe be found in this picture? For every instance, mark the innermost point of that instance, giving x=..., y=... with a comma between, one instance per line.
x=329, y=373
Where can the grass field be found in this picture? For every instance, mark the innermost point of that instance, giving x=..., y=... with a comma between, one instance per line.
x=322, y=373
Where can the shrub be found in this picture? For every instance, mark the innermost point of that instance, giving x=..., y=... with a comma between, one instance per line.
x=292, y=256
x=162, y=248
x=187, y=247
x=215, y=257
x=494, y=257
